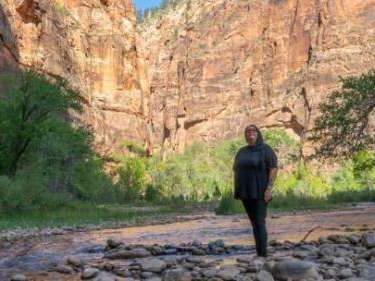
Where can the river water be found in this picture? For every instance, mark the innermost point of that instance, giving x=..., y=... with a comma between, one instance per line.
x=34, y=257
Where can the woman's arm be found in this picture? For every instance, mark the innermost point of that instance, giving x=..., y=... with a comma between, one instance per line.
x=269, y=188
x=272, y=178
x=271, y=163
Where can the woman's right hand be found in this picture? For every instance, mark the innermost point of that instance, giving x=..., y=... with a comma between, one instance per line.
x=268, y=195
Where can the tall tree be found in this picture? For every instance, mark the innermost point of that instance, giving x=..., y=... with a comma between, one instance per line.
x=347, y=120
x=27, y=113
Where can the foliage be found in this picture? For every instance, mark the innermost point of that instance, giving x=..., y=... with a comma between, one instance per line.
x=308, y=187
x=31, y=109
x=286, y=147
x=364, y=168
x=83, y=213
x=131, y=181
x=44, y=160
x=133, y=147
x=60, y=8
x=344, y=126
x=157, y=10
x=201, y=173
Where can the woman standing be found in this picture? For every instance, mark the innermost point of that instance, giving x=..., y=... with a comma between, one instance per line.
x=255, y=170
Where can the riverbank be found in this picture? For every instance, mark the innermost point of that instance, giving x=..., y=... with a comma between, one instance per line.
x=82, y=218
x=38, y=257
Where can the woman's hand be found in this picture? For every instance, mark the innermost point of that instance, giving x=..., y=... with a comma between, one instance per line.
x=272, y=177
x=268, y=195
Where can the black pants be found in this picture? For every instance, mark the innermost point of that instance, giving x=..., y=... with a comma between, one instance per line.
x=256, y=210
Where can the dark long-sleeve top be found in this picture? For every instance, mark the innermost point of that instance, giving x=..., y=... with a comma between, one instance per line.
x=251, y=170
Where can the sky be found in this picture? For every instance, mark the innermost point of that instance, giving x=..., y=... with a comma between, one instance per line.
x=142, y=4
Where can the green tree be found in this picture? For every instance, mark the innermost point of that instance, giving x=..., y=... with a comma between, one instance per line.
x=132, y=182
x=42, y=155
x=364, y=168
x=30, y=109
x=344, y=126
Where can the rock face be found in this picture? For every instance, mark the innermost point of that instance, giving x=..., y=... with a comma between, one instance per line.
x=216, y=66
x=94, y=45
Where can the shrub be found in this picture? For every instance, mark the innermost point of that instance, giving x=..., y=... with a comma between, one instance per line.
x=131, y=183
x=43, y=158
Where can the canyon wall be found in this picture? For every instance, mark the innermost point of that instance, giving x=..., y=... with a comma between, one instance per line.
x=216, y=66
x=200, y=71
x=94, y=45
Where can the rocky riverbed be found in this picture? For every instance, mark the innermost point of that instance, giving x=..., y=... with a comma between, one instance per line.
x=341, y=247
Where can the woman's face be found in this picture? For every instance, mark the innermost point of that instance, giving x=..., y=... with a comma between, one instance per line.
x=251, y=136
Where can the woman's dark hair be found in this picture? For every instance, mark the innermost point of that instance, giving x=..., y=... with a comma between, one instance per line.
x=260, y=136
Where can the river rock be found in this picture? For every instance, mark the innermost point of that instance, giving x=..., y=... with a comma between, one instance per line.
x=18, y=277
x=122, y=272
x=113, y=243
x=154, y=265
x=264, y=276
x=209, y=273
x=329, y=273
x=217, y=243
x=89, y=273
x=338, y=239
x=171, y=260
x=345, y=273
x=294, y=270
x=367, y=254
x=106, y=276
x=366, y=271
x=198, y=252
x=178, y=274
x=148, y=275
x=128, y=254
x=194, y=259
x=65, y=269
x=368, y=240
x=170, y=251
x=196, y=243
x=155, y=278
x=156, y=250
x=74, y=261
x=354, y=239
x=228, y=272
x=327, y=250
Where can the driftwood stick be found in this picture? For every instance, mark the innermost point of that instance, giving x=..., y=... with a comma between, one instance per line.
x=309, y=232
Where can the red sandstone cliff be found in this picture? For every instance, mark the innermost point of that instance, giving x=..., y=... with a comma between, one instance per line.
x=216, y=66
x=94, y=45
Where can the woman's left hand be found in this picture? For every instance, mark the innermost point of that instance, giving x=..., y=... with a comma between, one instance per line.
x=268, y=195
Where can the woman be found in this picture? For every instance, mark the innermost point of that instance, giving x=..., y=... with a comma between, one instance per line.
x=255, y=170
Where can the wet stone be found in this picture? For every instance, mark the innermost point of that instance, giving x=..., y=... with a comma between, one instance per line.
x=65, y=269
x=367, y=271
x=368, y=240
x=122, y=272
x=217, y=243
x=128, y=254
x=228, y=272
x=198, y=252
x=153, y=265
x=294, y=270
x=171, y=251
x=264, y=276
x=18, y=277
x=178, y=274
x=194, y=259
x=90, y=273
x=74, y=261
x=345, y=273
